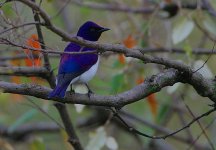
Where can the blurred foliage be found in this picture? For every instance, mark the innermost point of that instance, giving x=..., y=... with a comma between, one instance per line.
x=116, y=73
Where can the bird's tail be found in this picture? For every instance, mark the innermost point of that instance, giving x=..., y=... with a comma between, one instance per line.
x=59, y=91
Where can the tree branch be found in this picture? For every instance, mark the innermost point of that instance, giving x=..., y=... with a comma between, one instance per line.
x=53, y=53
x=47, y=65
x=19, y=26
x=134, y=52
x=128, y=9
x=164, y=136
x=24, y=71
x=113, y=7
x=73, y=138
x=21, y=132
x=204, y=87
x=209, y=8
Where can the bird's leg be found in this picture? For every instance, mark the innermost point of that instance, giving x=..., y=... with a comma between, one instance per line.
x=89, y=90
x=71, y=90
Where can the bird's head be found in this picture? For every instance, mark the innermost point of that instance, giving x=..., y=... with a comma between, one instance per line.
x=91, y=31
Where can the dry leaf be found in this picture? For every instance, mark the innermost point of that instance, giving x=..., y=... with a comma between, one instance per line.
x=130, y=42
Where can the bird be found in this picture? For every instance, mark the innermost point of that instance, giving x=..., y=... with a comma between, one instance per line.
x=78, y=68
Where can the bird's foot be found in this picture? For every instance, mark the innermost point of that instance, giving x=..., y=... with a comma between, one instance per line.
x=89, y=93
x=72, y=92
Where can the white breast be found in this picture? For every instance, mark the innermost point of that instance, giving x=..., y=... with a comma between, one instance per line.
x=88, y=75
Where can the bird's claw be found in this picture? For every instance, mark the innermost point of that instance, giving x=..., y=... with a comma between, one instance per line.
x=72, y=92
x=89, y=93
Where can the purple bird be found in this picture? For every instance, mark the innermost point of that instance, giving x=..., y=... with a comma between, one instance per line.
x=79, y=68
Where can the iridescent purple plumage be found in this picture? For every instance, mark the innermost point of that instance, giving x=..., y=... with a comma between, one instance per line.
x=72, y=67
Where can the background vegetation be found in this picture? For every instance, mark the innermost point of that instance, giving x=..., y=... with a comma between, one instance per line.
x=183, y=31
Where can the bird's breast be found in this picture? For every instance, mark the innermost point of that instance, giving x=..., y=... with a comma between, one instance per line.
x=89, y=74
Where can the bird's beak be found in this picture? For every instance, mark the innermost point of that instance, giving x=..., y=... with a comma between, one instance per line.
x=104, y=29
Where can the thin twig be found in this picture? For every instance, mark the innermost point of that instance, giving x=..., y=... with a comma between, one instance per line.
x=193, y=143
x=61, y=9
x=8, y=42
x=19, y=26
x=200, y=125
x=212, y=38
x=156, y=127
x=44, y=112
x=206, y=59
x=160, y=137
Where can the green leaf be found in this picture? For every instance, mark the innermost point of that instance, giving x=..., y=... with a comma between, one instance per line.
x=23, y=119
x=117, y=82
x=64, y=137
x=99, y=82
x=182, y=30
x=117, y=64
x=85, y=11
x=188, y=49
x=7, y=9
x=37, y=144
x=162, y=113
x=97, y=140
x=210, y=26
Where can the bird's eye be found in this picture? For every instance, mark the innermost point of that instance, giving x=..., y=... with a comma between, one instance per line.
x=92, y=29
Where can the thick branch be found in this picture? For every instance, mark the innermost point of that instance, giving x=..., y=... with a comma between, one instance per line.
x=24, y=71
x=204, y=87
x=23, y=131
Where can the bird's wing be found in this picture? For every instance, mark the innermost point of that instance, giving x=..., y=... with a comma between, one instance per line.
x=72, y=66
